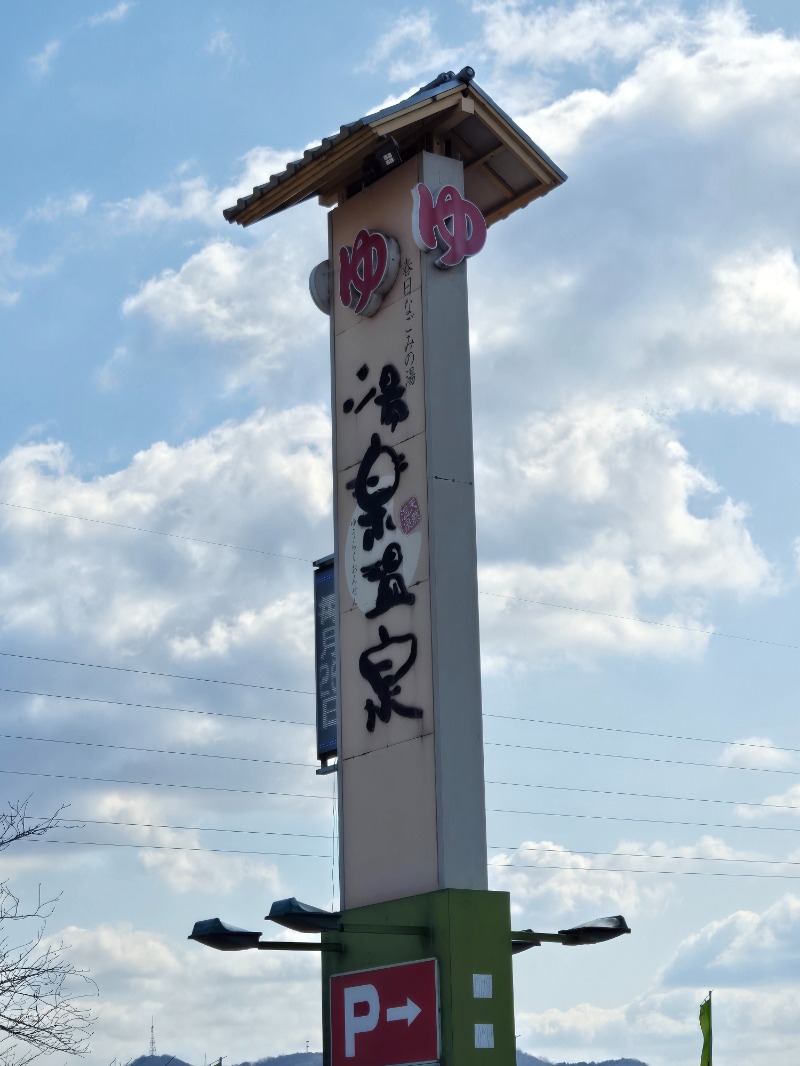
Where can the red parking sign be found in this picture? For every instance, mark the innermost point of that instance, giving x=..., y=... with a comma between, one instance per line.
x=386, y=1017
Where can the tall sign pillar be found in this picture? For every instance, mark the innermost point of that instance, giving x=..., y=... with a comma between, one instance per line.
x=411, y=740
x=417, y=967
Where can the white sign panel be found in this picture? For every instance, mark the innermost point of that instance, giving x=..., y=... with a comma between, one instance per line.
x=404, y=617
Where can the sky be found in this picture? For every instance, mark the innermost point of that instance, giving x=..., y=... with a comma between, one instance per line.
x=165, y=484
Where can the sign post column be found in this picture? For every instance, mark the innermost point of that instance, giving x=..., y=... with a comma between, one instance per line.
x=413, y=874
x=411, y=740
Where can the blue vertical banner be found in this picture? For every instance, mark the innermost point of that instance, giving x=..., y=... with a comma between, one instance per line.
x=325, y=624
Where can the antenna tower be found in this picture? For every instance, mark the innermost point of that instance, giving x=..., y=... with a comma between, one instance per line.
x=152, y=1037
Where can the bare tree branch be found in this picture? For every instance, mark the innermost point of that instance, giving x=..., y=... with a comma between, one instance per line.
x=42, y=996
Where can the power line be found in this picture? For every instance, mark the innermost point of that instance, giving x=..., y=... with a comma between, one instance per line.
x=155, y=673
x=305, y=795
x=639, y=732
x=643, y=621
x=642, y=758
x=496, y=595
x=175, y=847
x=156, y=751
x=631, y=870
x=646, y=795
x=487, y=714
x=646, y=821
x=641, y=855
x=323, y=836
x=509, y=784
x=284, y=762
x=189, y=828
x=154, y=532
x=157, y=707
x=166, y=784
x=490, y=865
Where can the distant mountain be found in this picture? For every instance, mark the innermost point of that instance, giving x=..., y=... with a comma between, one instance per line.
x=300, y=1058
x=156, y=1060
x=314, y=1058
x=524, y=1059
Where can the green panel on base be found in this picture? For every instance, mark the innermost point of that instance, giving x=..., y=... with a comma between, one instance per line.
x=469, y=933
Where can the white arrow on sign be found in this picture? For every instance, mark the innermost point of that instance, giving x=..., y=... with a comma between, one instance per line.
x=407, y=1013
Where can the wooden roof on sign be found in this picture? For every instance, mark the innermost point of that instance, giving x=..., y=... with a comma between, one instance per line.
x=503, y=168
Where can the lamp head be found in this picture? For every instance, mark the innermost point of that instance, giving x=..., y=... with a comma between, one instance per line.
x=215, y=933
x=596, y=932
x=302, y=917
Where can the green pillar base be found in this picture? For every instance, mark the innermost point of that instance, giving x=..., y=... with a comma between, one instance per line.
x=469, y=933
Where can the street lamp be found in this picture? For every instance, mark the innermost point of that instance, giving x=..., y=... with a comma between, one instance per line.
x=304, y=918
x=595, y=932
x=222, y=936
x=291, y=914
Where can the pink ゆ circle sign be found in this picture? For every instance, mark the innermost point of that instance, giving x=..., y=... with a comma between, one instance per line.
x=367, y=271
x=447, y=222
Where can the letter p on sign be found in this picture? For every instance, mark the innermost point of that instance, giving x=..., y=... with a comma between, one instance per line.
x=363, y=1022
x=387, y=1016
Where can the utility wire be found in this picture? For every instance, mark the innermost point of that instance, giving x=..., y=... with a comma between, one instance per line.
x=487, y=714
x=640, y=855
x=154, y=532
x=638, y=732
x=646, y=821
x=492, y=847
x=631, y=870
x=646, y=795
x=155, y=673
x=307, y=765
x=69, y=822
x=490, y=865
x=642, y=758
x=495, y=595
x=156, y=751
x=643, y=621
x=167, y=784
x=305, y=795
x=510, y=784
x=157, y=707
x=175, y=847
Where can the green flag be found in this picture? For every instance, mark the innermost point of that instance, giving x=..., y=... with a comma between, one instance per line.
x=705, y=1025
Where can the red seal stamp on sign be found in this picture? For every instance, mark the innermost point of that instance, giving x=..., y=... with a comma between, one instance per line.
x=410, y=515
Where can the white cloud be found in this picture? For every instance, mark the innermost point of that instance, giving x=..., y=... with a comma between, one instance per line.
x=578, y=33
x=757, y=751
x=655, y=271
x=604, y=501
x=54, y=208
x=288, y=619
x=209, y=997
x=742, y=950
x=106, y=376
x=41, y=64
x=582, y=886
x=252, y=298
x=759, y=292
x=8, y=294
x=264, y=481
x=113, y=14
x=410, y=48
x=221, y=43
x=696, y=72
x=789, y=800
x=191, y=869
x=190, y=198
x=753, y=1025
